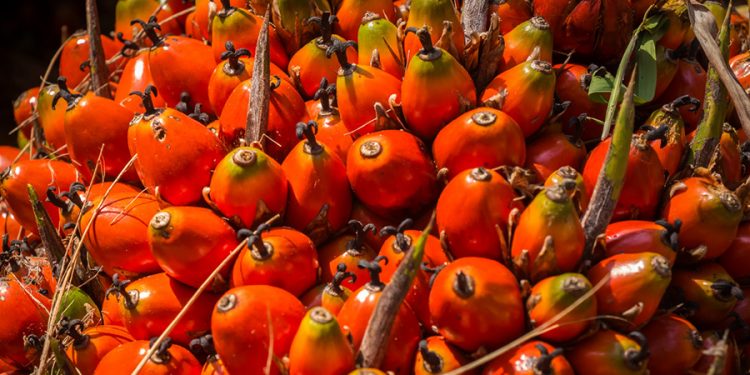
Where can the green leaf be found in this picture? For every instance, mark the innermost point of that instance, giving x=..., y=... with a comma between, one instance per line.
x=645, y=86
x=601, y=87
x=656, y=25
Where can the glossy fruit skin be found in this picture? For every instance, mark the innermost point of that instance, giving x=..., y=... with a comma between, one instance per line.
x=697, y=285
x=450, y=357
x=8, y=154
x=434, y=255
x=126, y=357
x=593, y=28
x=22, y=317
x=319, y=336
x=490, y=317
x=310, y=64
x=552, y=150
x=158, y=298
x=644, y=179
x=473, y=139
x=118, y=239
x=239, y=325
x=23, y=107
x=380, y=33
x=333, y=132
x=552, y=295
x=637, y=283
x=93, y=123
x=690, y=79
x=530, y=87
x=521, y=41
x=730, y=159
x=376, y=161
x=356, y=99
x=740, y=65
x=76, y=51
x=604, y=354
x=635, y=236
x=176, y=155
x=41, y=174
x=523, y=361
x=242, y=28
x=101, y=340
x=450, y=89
x=204, y=16
x=470, y=210
x=735, y=257
x=244, y=179
x=127, y=10
x=190, y=242
x=317, y=182
x=111, y=311
x=51, y=119
x=182, y=64
x=286, y=109
x=675, y=342
x=136, y=76
x=710, y=215
x=512, y=13
x=339, y=250
x=572, y=85
x=289, y=263
x=670, y=154
x=404, y=336
x=351, y=12
x=433, y=14
x=551, y=215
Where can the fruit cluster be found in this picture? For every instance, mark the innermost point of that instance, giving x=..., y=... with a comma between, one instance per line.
x=361, y=187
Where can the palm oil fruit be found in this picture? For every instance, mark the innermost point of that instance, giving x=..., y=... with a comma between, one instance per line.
x=531, y=358
x=635, y=236
x=436, y=15
x=521, y=42
x=347, y=249
x=675, y=342
x=610, y=353
x=670, y=152
x=319, y=337
x=436, y=88
x=551, y=296
x=436, y=356
x=351, y=12
x=378, y=38
x=708, y=292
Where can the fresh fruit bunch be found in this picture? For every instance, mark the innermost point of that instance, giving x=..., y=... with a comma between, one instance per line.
x=369, y=187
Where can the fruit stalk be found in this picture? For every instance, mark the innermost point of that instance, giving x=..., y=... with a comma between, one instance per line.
x=260, y=89
x=474, y=16
x=375, y=341
x=611, y=177
x=701, y=20
x=97, y=62
x=715, y=108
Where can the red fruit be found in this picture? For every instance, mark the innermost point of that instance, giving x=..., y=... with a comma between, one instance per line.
x=474, y=139
x=176, y=154
x=278, y=259
x=364, y=215
x=35, y=273
x=635, y=286
x=190, y=242
x=710, y=215
x=643, y=182
x=436, y=356
x=331, y=130
x=531, y=358
x=729, y=158
x=136, y=77
x=668, y=120
x=51, y=119
x=551, y=296
x=111, y=311
x=333, y=295
x=398, y=242
x=473, y=210
x=319, y=337
x=740, y=65
x=708, y=291
x=96, y=131
x=350, y=13
x=476, y=303
x=347, y=249
x=451, y=90
x=320, y=200
x=379, y=159
x=148, y=305
x=524, y=39
x=23, y=317
x=572, y=85
x=359, y=88
x=678, y=24
x=75, y=56
x=690, y=79
x=248, y=186
x=41, y=174
x=204, y=14
x=610, y=353
x=434, y=14
x=525, y=92
x=241, y=326
x=549, y=238
x=378, y=33
x=286, y=108
x=128, y=10
x=242, y=27
x=512, y=13
x=735, y=258
x=24, y=106
x=552, y=150
x=674, y=343
x=592, y=28
x=90, y=345
x=355, y=315
x=168, y=360
x=8, y=154
x=636, y=236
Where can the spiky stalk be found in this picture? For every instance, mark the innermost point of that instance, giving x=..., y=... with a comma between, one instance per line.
x=260, y=88
x=97, y=61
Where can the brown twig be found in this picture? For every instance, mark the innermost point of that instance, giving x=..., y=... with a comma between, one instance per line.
x=97, y=61
x=260, y=88
x=474, y=16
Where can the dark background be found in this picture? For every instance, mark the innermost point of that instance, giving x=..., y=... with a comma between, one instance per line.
x=31, y=35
